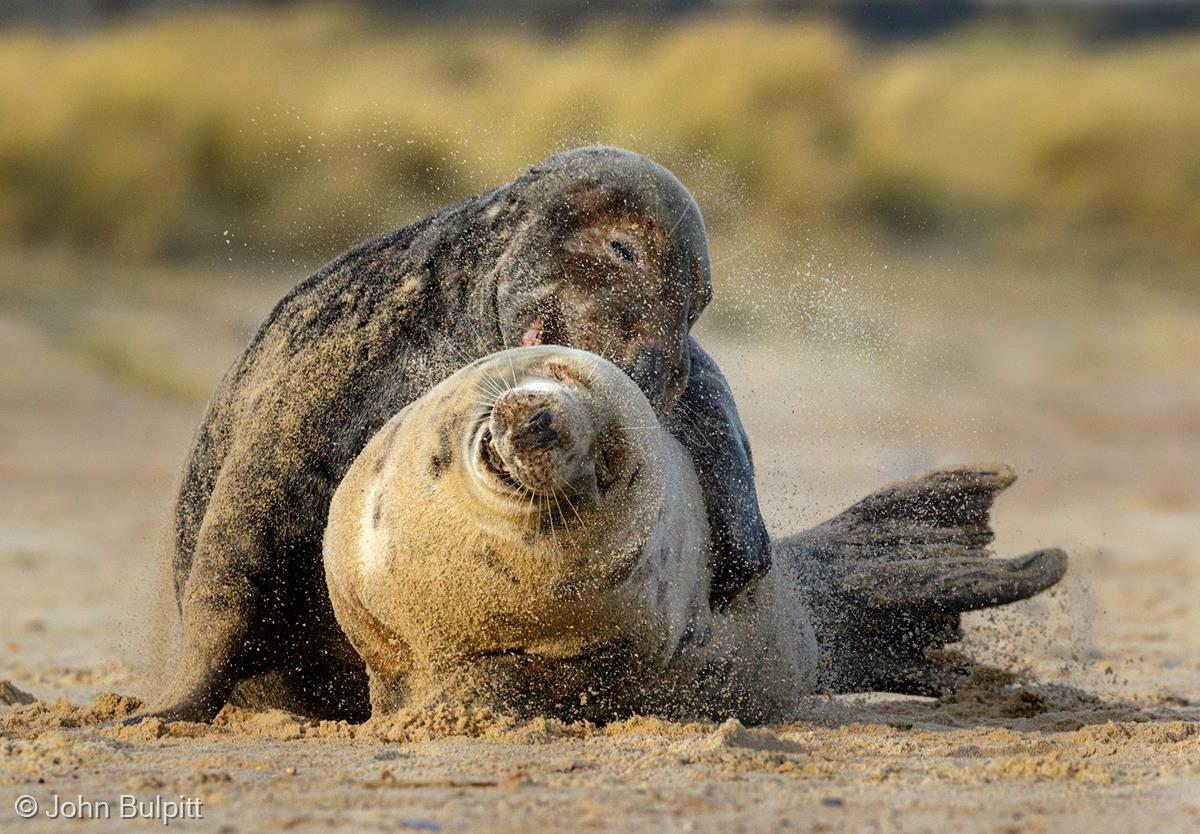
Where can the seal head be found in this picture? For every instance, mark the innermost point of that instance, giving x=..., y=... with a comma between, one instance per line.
x=530, y=506
x=624, y=270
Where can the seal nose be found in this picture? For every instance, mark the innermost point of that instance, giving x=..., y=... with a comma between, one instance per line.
x=543, y=436
x=538, y=430
x=532, y=426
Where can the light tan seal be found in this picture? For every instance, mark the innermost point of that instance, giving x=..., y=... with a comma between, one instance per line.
x=528, y=536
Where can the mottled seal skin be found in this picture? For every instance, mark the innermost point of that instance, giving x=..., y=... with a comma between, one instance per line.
x=597, y=248
x=528, y=536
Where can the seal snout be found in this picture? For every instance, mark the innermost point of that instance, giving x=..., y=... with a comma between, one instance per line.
x=538, y=430
x=540, y=437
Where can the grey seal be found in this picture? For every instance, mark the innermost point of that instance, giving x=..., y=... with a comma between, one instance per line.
x=596, y=248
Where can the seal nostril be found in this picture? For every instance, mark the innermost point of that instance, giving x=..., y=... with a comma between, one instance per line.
x=541, y=419
x=538, y=430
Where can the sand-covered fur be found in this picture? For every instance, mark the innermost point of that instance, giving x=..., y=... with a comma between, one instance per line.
x=527, y=535
x=597, y=248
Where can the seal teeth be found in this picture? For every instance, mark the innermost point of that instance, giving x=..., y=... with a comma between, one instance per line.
x=533, y=333
x=491, y=458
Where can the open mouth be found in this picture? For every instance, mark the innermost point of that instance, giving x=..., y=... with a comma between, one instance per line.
x=542, y=330
x=492, y=460
x=534, y=333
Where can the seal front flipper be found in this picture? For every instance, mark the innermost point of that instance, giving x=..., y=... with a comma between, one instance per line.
x=889, y=578
x=241, y=594
x=218, y=599
x=706, y=421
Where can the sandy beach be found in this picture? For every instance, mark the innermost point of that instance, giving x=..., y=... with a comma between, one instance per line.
x=1096, y=728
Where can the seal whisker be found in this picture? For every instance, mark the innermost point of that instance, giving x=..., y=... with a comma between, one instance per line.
x=466, y=357
x=494, y=380
x=490, y=384
x=485, y=405
x=486, y=383
x=523, y=509
x=488, y=387
x=529, y=507
x=692, y=421
x=540, y=509
x=603, y=354
x=562, y=518
x=553, y=531
x=481, y=417
x=570, y=504
x=682, y=216
x=513, y=369
x=488, y=399
x=544, y=509
x=735, y=256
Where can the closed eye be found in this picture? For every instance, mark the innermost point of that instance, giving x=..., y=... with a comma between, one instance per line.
x=623, y=251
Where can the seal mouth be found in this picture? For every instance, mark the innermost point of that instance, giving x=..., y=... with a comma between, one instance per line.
x=492, y=462
x=544, y=328
x=534, y=333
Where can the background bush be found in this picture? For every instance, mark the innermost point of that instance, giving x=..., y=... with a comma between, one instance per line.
x=293, y=133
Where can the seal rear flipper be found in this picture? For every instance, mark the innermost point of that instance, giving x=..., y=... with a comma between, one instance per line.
x=955, y=583
x=889, y=578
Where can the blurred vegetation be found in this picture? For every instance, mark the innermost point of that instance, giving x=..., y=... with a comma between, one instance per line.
x=294, y=133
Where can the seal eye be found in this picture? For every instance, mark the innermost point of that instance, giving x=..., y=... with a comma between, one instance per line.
x=623, y=251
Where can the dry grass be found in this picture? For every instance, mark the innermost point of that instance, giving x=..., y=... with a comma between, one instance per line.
x=294, y=133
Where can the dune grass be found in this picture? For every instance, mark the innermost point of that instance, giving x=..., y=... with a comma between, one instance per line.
x=293, y=133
